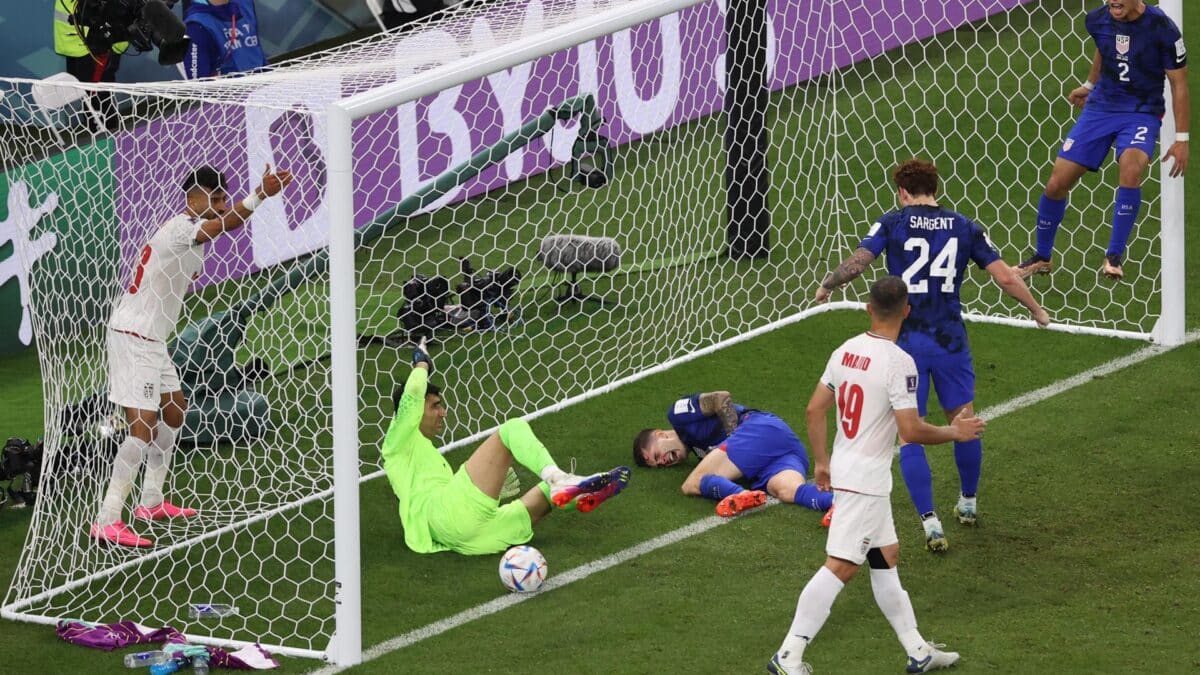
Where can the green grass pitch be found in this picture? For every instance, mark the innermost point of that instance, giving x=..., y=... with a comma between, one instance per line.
x=1084, y=561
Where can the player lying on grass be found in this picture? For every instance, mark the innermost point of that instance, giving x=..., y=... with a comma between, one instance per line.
x=732, y=442
x=444, y=510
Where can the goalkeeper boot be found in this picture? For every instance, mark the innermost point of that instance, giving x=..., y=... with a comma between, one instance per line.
x=565, y=488
x=1112, y=267
x=966, y=510
x=589, y=501
x=162, y=511
x=775, y=667
x=931, y=657
x=119, y=533
x=741, y=502
x=935, y=536
x=1034, y=264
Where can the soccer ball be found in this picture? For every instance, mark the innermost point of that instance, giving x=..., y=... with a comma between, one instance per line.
x=522, y=569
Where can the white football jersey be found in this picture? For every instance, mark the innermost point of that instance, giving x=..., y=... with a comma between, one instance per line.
x=165, y=267
x=871, y=378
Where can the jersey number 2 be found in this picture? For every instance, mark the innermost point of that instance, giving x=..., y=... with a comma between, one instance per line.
x=850, y=407
x=944, y=265
x=141, y=269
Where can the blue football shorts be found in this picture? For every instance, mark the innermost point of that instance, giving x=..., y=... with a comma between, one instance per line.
x=1095, y=132
x=953, y=376
x=762, y=446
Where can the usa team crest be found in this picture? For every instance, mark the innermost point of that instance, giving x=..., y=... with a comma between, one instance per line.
x=1122, y=44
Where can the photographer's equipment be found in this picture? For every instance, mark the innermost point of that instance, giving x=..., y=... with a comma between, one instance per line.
x=21, y=466
x=485, y=296
x=483, y=301
x=425, y=299
x=144, y=24
x=590, y=164
x=572, y=254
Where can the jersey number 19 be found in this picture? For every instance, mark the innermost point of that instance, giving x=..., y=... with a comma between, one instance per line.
x=850, y=407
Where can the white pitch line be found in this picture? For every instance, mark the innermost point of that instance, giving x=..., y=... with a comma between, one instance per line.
x=1037, y=395
x=586, y=570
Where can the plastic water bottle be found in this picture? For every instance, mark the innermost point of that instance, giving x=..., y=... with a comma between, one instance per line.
x=143, y=659
x=200, y=663
x=211, y=611
x=176, y=664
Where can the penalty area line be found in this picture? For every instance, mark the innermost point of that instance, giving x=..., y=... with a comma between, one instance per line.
x=705, y=524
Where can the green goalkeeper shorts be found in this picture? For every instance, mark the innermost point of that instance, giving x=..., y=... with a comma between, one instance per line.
x=464, y=518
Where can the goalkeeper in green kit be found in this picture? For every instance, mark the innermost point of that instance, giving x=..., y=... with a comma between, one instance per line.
x=445, y=510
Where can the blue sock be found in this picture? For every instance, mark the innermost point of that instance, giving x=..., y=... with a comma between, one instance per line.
x=717, y=488
x=1050, y=216
x=810, y=497
x=1125, y=211
x=969, y=458
x=914, y=466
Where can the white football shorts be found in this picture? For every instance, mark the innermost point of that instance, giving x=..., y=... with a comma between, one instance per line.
x=860, y=523
x=139, y=371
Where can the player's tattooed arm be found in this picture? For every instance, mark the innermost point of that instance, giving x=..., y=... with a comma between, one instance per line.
x=849, y=270
x=720, y=404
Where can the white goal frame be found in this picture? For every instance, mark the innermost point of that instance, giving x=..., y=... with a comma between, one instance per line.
x=346, y=647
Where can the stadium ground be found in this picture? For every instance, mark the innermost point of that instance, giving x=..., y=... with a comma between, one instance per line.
x=1084, y=562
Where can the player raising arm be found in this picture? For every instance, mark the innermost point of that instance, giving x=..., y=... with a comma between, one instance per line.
x=445, y=510
x=930, y=247
x=142, y=377
x=1122, y=101
x=874, y=385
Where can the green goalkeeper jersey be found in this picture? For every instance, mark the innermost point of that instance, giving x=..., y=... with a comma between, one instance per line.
x=413, y=466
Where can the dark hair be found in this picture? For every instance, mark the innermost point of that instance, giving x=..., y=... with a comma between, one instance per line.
x=206, y=178
x=917, y=177
x=889, y=296
x=430, y=390
x=639, y=444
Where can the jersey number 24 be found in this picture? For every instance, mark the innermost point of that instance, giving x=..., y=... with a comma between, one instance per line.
x=944, y=265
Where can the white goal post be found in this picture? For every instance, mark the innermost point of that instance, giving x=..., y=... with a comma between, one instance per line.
x=476, y=134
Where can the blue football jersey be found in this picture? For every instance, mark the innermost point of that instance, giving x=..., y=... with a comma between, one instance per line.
x=698, y=431
x=1135, y=56
x=929, y=247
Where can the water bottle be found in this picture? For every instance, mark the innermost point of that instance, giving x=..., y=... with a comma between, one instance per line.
x=200, y=663
x=211, y=611
x=176, y=664
x=143, y=659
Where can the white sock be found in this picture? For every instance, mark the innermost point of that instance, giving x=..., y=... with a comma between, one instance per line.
x=893, y=600
x=551, y=473
x=158, y=464
x=812, y=609
x=125, y=468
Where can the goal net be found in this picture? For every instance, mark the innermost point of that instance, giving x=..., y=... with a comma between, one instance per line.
x=564, y=194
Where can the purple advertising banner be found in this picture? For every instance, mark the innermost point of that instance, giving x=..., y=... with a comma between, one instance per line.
x=646, y=79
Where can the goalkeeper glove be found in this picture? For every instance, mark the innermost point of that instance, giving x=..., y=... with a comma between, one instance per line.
x=421, y=355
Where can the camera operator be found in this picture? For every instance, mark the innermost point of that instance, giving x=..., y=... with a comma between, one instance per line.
x=87, y=66
x=225, y=40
